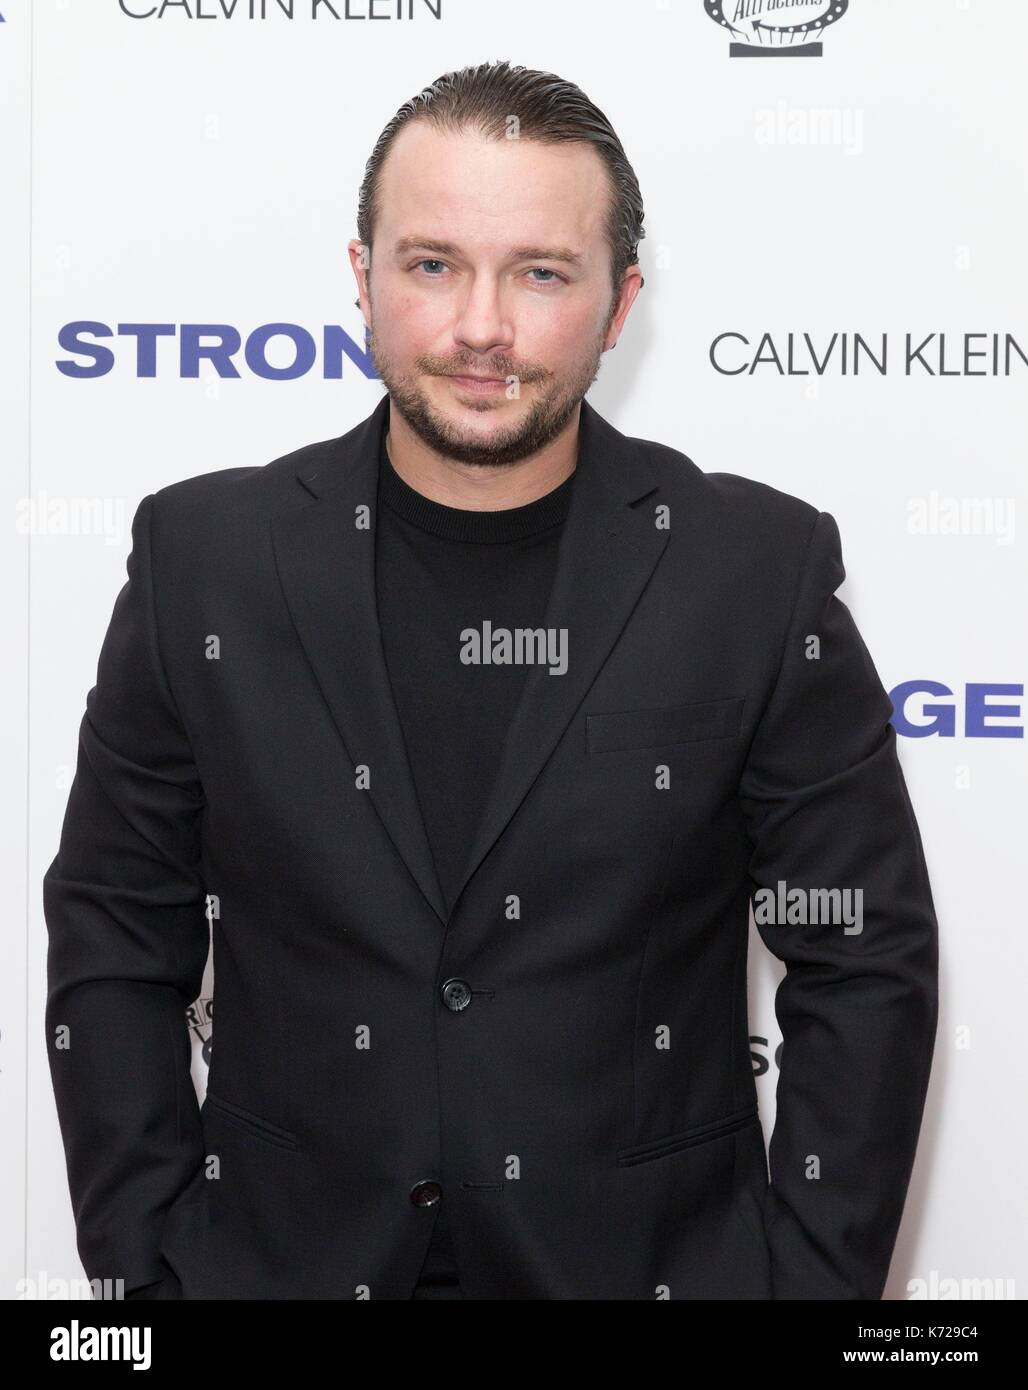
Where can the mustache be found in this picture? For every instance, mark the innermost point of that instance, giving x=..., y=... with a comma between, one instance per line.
x=437, y=366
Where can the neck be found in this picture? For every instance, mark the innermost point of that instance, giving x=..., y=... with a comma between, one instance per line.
x=476, y=487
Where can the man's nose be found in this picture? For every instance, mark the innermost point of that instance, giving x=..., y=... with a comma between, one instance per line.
x=483, y=324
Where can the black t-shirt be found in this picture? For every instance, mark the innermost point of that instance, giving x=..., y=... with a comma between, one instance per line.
x=440, y=570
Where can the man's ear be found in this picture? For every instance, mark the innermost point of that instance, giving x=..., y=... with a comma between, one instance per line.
x=631, y=283
x=360, y=262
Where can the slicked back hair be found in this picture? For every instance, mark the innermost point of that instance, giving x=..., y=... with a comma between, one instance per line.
x=501, y=101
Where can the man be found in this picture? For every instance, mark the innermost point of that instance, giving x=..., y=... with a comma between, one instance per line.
x=473, y=732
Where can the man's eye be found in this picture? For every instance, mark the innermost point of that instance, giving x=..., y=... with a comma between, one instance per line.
x=551, y=275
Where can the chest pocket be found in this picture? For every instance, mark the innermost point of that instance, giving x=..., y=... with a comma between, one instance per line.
x=649, y=728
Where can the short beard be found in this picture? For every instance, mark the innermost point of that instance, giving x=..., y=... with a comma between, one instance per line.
x=544, y=421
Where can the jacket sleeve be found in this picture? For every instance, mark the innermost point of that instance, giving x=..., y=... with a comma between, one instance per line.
x=827, y=807
x=124, y=903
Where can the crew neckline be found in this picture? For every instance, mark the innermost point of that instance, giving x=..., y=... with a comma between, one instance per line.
x=461, y=524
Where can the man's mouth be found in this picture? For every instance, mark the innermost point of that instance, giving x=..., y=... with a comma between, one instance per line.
x=484, y=384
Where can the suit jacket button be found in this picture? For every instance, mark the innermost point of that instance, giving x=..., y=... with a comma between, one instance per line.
x=425, y=1194
x=456, y=995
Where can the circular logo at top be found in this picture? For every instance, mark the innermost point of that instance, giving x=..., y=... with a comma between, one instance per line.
x=775, y=28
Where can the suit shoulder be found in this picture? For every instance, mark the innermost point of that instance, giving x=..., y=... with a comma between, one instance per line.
x=242, y=489
x=731, y=503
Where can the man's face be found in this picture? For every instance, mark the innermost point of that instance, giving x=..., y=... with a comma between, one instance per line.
x=468, y=276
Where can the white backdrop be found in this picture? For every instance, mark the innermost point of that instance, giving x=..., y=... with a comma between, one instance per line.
x=183, y=170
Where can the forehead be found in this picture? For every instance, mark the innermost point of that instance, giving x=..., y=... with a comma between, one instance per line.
x=486, y=193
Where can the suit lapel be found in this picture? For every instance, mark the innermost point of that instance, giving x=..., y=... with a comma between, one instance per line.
x=607, y=552
x=326, y=566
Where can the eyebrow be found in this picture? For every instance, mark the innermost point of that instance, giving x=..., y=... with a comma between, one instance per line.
x=563, y=254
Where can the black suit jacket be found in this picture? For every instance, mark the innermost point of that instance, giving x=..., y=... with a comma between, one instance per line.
x=583, y=1098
